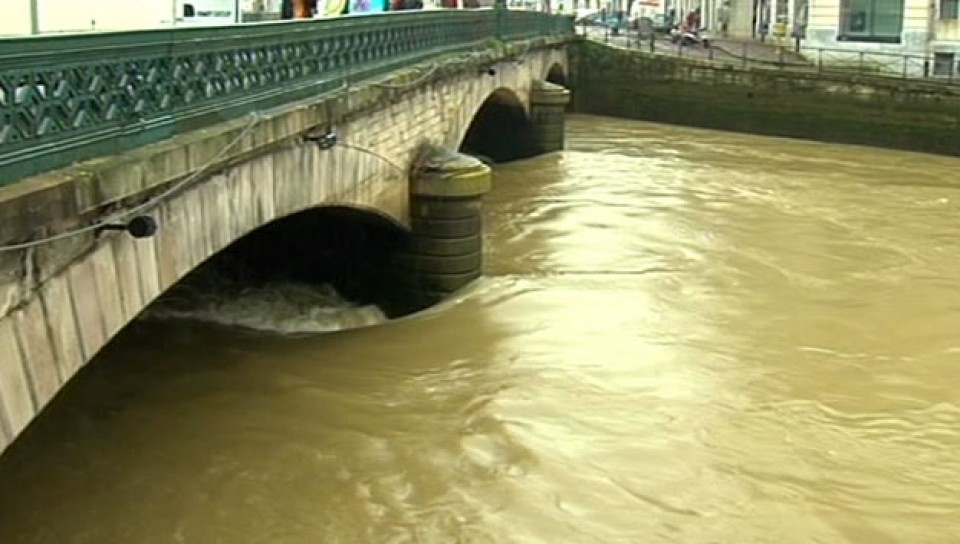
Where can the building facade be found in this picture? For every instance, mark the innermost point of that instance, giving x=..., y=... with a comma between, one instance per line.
x=894, y=26
x=64, y=16
x=16, y=19
x=917, y=37
x=946, y=39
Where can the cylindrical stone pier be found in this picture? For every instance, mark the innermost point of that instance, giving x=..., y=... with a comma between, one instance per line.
x=548, y=102
x=444, y=251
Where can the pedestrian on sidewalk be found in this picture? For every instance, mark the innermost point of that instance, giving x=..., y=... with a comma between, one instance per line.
x=693, y=20
x=723, y=17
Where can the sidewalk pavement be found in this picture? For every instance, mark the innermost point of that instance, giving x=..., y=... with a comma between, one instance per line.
x=722, y=49
x=768, y=51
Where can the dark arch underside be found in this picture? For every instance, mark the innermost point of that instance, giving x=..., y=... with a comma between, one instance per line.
x=557, y=75
x=500, y=130
x=347, y=248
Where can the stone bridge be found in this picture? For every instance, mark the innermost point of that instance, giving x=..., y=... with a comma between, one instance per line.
x=191, y=148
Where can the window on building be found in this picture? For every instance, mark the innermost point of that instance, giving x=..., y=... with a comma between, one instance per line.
x=950, y=9
x=189, y=10
x=943, y=64
x=871, y=20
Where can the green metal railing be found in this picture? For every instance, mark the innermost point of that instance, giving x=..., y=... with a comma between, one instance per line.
x=67, y=98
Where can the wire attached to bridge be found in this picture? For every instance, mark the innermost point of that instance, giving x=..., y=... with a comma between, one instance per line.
x=373, y=153
x=328, y=140
x=153, y=201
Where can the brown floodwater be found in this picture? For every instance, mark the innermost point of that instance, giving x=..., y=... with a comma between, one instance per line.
x=683, y=336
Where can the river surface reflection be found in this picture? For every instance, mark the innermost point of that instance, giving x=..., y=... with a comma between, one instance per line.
x=684, y=336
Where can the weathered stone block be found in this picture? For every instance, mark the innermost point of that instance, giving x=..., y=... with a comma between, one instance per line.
x=210, y=149
x=108, y=180
x=39, y=357
x=263, y=188
x=16, y=402
x=195, y=243
x=32, y=206
x=108, y=292
x=292, y=189
x=169, y=245
x=61, y=320
x=146, y=251
x=128, y=275
x=12, y=290
x=86, y=303
x=52, y=258
x=215, y=219
x=164, y=163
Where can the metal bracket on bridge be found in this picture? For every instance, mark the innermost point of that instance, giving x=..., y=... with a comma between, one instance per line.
x=325, y=139
x=141, y=226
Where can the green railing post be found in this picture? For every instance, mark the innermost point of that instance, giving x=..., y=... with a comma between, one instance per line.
x=500, y=8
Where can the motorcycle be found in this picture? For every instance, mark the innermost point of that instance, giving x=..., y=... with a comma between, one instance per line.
x=686, y=36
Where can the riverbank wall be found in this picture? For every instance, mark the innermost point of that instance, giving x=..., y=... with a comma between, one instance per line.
x=855, y=109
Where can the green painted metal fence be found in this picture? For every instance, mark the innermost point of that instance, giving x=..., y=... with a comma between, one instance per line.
x=66, y=98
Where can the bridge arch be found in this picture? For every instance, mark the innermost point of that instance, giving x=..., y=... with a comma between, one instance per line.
x=499, y=128
x=346, y=247
x=556, y=74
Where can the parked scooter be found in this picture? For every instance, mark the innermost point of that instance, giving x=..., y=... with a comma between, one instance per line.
x=686, y=36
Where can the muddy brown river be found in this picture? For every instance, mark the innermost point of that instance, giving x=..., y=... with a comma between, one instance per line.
x=683, y=336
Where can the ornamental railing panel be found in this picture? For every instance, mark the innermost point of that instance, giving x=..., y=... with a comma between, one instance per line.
x=66, y=98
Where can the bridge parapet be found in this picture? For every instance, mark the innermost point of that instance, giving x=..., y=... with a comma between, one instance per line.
x=67, y=98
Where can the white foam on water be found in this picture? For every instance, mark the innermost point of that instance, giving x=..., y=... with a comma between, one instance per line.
x=286, y=308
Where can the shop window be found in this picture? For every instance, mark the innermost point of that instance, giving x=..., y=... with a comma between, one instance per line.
x=943, y=64
x=871, y=21
x=950, y=9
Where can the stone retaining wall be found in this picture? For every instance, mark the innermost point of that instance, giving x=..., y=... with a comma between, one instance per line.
x=883, y=112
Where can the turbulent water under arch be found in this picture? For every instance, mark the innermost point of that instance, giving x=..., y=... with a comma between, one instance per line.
x=323, y=269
